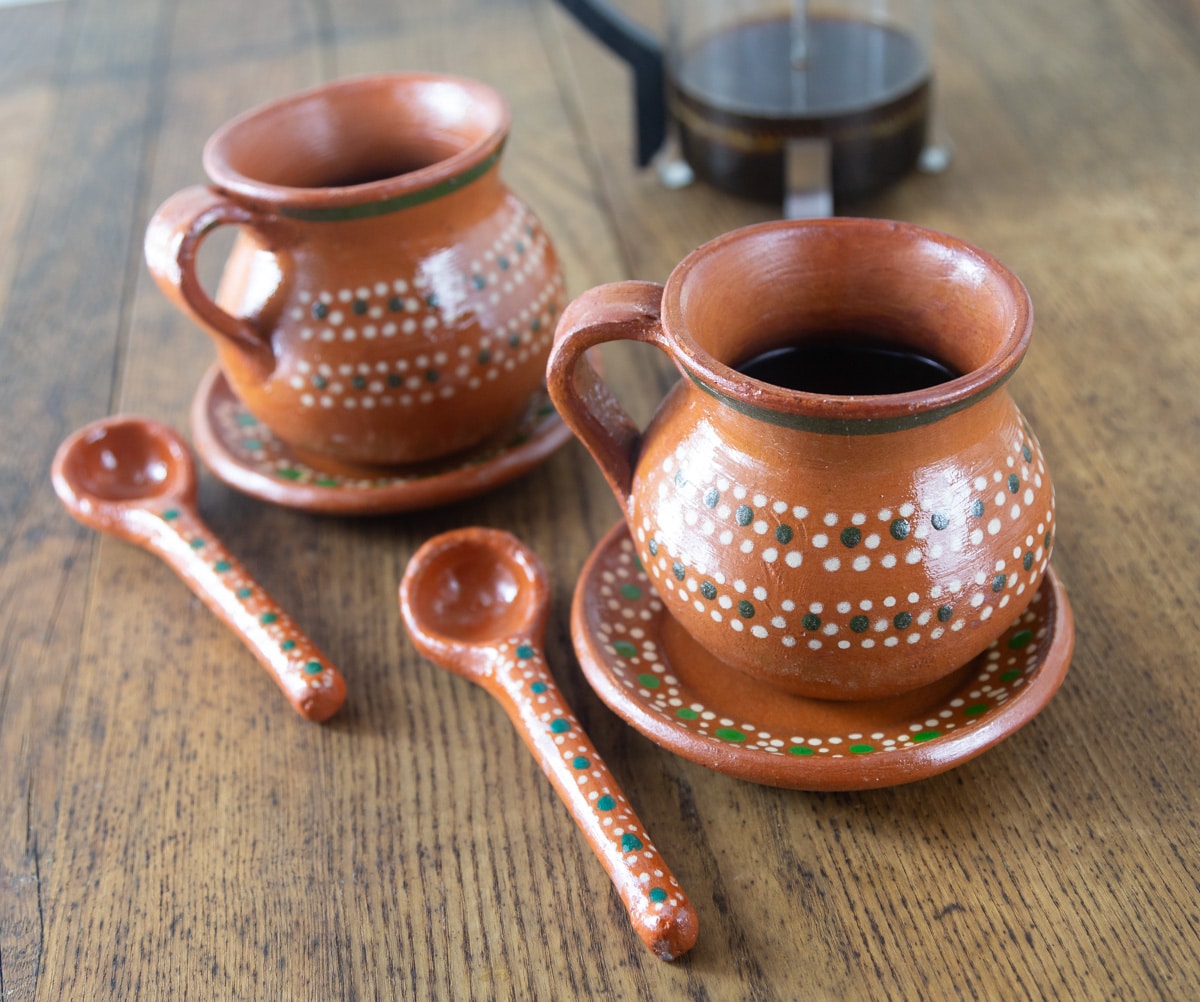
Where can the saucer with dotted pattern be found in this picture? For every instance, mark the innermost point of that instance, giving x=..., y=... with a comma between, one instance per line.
x=653, y=675
x=244, y=453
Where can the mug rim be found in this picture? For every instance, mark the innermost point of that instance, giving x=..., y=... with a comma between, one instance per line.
x=378, y=196
x=829, y=413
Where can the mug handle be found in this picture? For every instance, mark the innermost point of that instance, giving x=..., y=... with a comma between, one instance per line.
x=618, y=311
x=173, y=239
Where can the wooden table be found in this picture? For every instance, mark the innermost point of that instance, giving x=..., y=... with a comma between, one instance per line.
x=170, y=829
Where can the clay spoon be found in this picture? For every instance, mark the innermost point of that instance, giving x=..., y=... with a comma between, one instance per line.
x=135, y=478
x=476, y=601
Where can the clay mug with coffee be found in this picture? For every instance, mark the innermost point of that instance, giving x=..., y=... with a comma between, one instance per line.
x=839, y=497
x=387, y=299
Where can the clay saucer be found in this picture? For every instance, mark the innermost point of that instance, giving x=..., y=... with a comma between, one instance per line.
x=654, y=676
x=244, y=453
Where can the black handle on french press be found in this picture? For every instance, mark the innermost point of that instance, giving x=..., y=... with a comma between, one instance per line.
x=629, y=41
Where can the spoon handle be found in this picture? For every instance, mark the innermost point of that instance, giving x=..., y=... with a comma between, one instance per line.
x=175, y=532
x=660, y=912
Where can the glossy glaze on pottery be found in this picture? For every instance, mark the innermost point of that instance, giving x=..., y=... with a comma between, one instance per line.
x=134, y=478
x=836, y=547
x=656, y=677
x=390, y=321
x=247, y=455
x=476, y=601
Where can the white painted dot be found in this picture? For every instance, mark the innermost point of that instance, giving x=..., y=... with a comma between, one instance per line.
x=760, y=500
x=872, y=541
x=832, y=564
x=800, y=511
x=976, y=537
x=862, y=563
x=760, y=527
x=770, y=554
x=779, y=622
x=820, y=541
x=747, y=546
x=759, y=631
x=993, y=527
x=1015, y=512
x=831, y=518
x=888, y=560
x=739, y=586
x=844, y=607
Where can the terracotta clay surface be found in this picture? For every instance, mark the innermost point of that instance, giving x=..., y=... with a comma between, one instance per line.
x=246, y=454
x=134, y=478
x=388, y=299
x=836, y=547
x=656, y=677
x=476, y=601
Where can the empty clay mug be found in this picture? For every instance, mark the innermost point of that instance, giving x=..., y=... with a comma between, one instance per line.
x=387, y=300
x=878, y=519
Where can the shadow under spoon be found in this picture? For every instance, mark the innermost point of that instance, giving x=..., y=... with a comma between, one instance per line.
x=476, y=601
x=135, y=479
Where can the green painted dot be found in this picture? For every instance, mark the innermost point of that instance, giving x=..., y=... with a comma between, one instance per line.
x=1011, y=675
x=359, y=382
x=478, y=281
x=860, y=624
x=319, y=382
x=538, y=687
x=729, y=734
x=394, y=379
x=580, y=762
x=519, y=247
x=1027, y=560
x=852, y=536
x=744, y=514
x=252, y=444
x=536, y=324
x=658, y=895
x=899, y=528
x=902, y=620
x=977, y=508
x=711, y=497
x=862, y=749
x=197, y=544
x=999, y=581
x=680, y=479
x=395, y=304
x=483, y=357
x=801, y=750
x=811, y=622
x=221, y=566
x=287, y=645
x=171, y=514
x=631, y=592
x=625, y=649
x=267, y=618
x=975, y=709
x=313, y=668
x=783, y=534
x=324, y=480
x=359, y=307
x=431, y=375
x=605, y=803
x=1027, y=453
x=320, y=310
x=1049, y=536
x=246, y=420
x=945, y=614
x=746, y=609
x=525, y=652
x=630, y=842
x=652, y=546
x=244, y=592
x=289, y=473
x=649, y=681
x=1014, y=483
x=503, y=263
x=559, y=725
x=432, y=301
x=940, y=520
x=927, y=735
x=686, y=713
x=708, y=590
x=514, y=340
x=678, y=571
x=1021, y=639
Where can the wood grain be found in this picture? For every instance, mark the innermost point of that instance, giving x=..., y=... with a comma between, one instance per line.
x=170, y=829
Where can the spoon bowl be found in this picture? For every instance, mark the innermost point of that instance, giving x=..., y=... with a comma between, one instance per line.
x=134, y=478
x=476, y=601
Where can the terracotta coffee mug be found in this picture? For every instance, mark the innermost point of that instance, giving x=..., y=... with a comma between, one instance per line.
x=870, y=525
x=388, y=299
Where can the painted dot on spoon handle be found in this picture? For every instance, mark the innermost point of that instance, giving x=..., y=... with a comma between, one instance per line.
x=177, y=534
x=660, y=912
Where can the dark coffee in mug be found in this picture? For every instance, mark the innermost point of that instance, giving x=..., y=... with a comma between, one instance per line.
x=846, y=365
